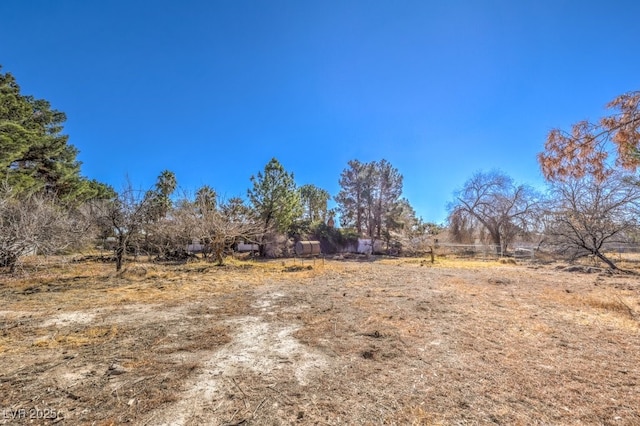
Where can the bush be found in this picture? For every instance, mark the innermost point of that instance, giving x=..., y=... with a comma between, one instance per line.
x=333, y=240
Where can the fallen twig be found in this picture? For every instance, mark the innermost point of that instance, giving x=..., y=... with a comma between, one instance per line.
x=258, y=407
x=240, y=389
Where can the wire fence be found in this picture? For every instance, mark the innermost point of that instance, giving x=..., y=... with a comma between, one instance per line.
x=527, y=251
x=486, y=251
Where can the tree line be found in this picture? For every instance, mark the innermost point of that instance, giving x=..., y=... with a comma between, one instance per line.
x=158, y=222
x=46, y=205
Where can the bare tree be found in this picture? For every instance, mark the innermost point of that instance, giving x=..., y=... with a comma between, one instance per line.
x=217, y=224
x=35, y=224
x=167, y=237
x=462, y=226
x=590, y=214
x=231, y=223
x=495, y=204
x=123, y=216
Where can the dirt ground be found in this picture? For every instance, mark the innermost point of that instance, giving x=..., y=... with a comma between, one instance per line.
x=390, y=341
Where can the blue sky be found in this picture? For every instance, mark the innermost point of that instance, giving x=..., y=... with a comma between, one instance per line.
x=212, y=90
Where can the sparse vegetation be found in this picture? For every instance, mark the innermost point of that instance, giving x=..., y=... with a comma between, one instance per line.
x=390, y=340
x=588, y=215
x=356, y=339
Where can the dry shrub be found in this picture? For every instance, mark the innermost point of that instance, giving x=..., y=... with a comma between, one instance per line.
x=612, y=305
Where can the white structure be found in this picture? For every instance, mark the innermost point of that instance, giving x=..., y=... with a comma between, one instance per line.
x=244, y=247
x=195, y=246
x=365, y=246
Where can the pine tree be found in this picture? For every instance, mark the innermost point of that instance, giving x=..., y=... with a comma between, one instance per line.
x=35, y=155
x=368, y=200
x=275, y=197
x=314, y=202
x=350, y=198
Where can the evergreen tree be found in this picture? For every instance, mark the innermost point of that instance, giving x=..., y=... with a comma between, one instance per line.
x=206, y=198
x=34, y=153
x=350, y=199
x=386, y=199
x=275, y=197
x=368, y=200
x=159, y=199
x=314, y=201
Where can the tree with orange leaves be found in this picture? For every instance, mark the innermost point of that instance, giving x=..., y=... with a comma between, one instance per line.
x=585, y=149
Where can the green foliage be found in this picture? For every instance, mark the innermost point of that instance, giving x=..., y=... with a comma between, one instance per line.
x=350, y=199
x=339, y=236
x=159, y=199
x=332, y=239
x=428, y=228
x=275, y=197
x=400, y=217
x=34, y=154
x=206, y=198
x=314, y=203
x=369, y=199
x=237, y=211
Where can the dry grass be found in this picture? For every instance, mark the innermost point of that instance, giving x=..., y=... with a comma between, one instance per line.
x=390, y=341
